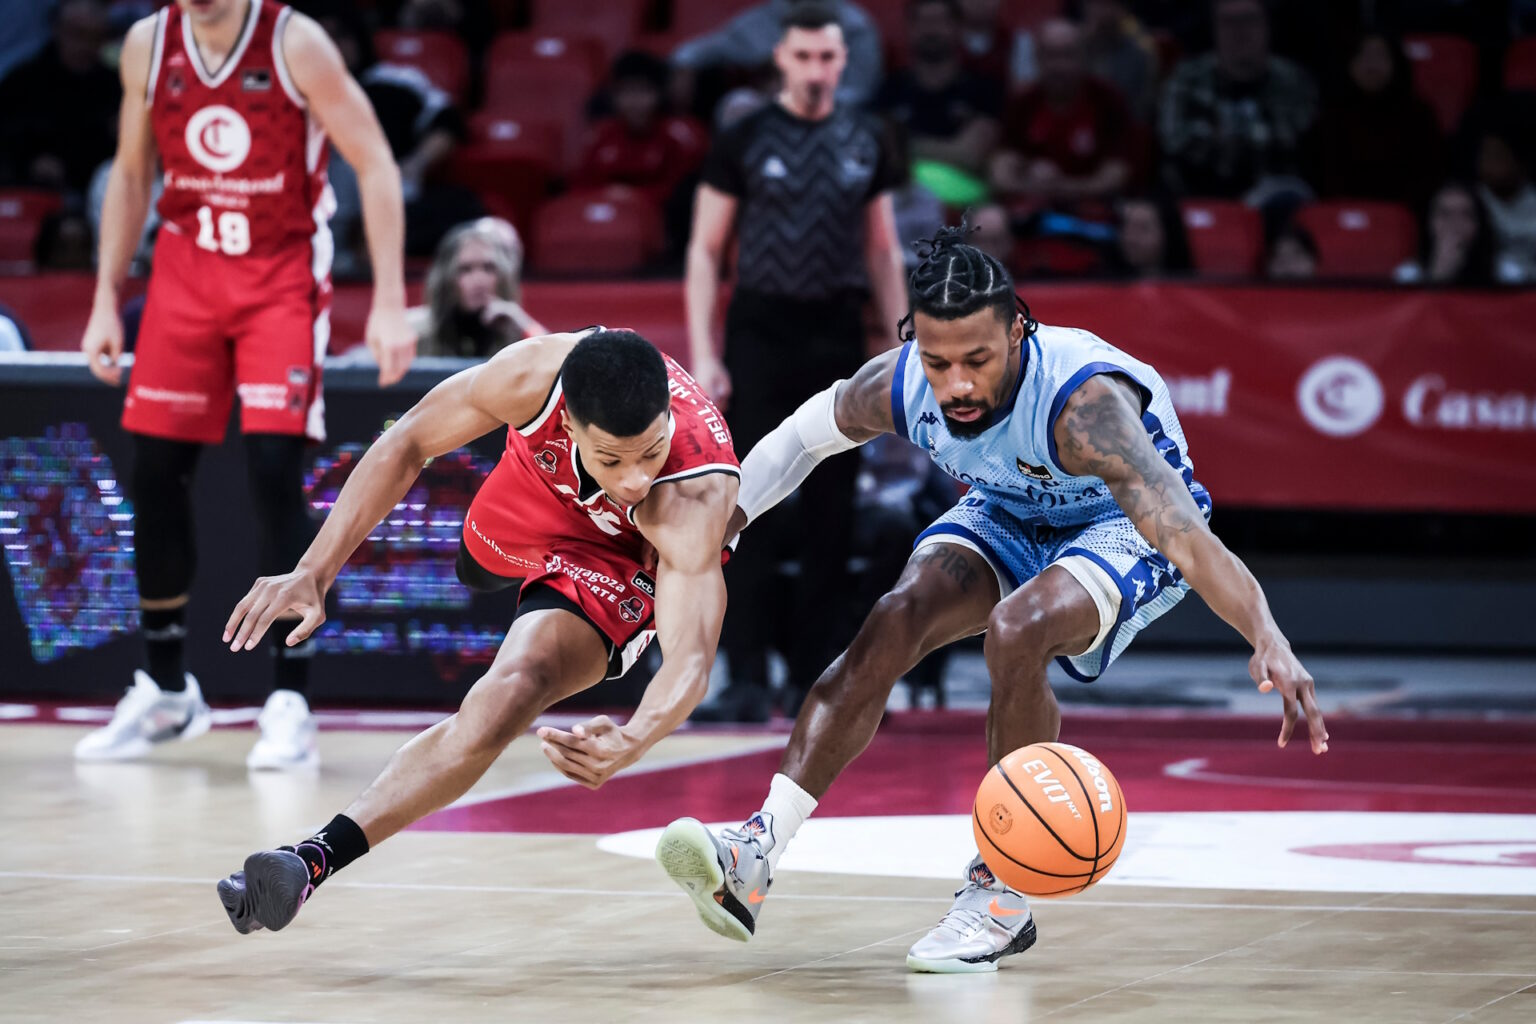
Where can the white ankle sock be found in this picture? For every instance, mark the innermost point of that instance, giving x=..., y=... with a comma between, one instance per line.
x=786, y=809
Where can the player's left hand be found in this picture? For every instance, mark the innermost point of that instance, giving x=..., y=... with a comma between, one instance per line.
x=393, y=344
x=591, y=752
x=1274, y=667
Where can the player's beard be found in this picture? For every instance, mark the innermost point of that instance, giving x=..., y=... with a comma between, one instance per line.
x=967, y=430
x=815, y=93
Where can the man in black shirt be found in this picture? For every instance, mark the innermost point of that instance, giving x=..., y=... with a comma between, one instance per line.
x=951, y=113
x=806, y=186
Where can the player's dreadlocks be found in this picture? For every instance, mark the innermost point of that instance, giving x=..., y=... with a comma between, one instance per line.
x=955, y=280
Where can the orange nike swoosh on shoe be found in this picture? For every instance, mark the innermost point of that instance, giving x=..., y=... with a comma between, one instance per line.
x=996, y=910
x=755, y=896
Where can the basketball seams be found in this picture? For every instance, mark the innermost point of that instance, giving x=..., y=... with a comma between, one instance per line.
x=1088, y=804
x=982, y=829
x=1043, y=823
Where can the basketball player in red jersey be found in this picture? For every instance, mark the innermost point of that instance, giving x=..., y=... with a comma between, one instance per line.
x=236, y=98
x=613, y=451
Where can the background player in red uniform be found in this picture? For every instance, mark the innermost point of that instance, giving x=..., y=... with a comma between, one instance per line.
x=614, y=451
x=236, y=98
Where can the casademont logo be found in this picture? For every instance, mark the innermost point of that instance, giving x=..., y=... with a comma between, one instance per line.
x=218, y=138
x=1340, y=396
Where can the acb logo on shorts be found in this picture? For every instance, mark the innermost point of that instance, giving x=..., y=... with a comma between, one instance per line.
x=218, y=138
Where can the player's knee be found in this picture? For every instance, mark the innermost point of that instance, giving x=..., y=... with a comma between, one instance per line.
x=1021, y=631
x=504, y=700
x=897, y=622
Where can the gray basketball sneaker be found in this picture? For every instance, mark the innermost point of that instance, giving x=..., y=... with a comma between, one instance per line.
x=726, y=876
x=268, y=893
x=987, y=922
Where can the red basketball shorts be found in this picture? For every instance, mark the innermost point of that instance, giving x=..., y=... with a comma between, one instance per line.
x=217, y=326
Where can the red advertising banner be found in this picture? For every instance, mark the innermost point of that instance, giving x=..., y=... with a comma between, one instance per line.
x=1367, y=399
x=1370, y=400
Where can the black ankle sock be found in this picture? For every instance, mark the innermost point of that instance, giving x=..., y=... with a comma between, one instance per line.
x=165, y=633
x=290, y=665
x=331, y=849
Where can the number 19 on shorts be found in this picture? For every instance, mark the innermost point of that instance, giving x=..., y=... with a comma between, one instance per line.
x=233, y=234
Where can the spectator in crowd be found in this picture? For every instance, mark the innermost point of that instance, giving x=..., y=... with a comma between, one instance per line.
x=641, y=147
x=993, y=234
x=1504, y=185
x=917, y=211
x=950, y=113
x=1068, y=137
x=13, y=336
x=474, y=294
x=423, y=128
x=1149, y=240
x=64, y=241
x=1456, y=246
x=993, y=49
x=1232, y=121
x=59, y=119
x=1292, y=254
x=1119, y=50
x=1376, y=139
x=748, y=39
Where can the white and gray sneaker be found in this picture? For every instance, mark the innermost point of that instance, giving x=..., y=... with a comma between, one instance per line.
x=147, y=715
x=726, y=876
x=987, y=922
x=287, y=735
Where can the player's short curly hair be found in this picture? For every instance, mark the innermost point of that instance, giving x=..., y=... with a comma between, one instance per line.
x=615, y=381
x=956, y=279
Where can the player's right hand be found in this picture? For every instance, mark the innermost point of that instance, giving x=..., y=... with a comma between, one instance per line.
x=273, y=598
x=393, y=344
x=103, y=344
x=715, y=379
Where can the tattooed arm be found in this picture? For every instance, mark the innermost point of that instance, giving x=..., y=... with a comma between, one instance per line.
x=1100, y=433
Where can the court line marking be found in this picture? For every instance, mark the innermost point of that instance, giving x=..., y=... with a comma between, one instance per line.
x=1479, y=1009
x=540, y=890
x=1193, y=770
x=544, y=781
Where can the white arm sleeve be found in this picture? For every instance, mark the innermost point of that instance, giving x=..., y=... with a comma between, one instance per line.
x=780, y=462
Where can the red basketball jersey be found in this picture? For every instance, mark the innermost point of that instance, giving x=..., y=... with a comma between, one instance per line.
x=701, y=443
x=244, y=163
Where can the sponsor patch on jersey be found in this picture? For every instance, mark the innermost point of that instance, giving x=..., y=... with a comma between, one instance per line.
x=1033, y=472
x=644, y=584
x=256, y=80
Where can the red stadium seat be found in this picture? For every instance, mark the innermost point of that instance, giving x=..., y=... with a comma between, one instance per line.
x=1520, y=64
x=22, y=212
x=543, y=46
x=694, y=17
x=1360, y=239
x=1019, y=14
x=598, y=232
x=554, y=89
x=509, y=163
x=440, y=56
x=615, y=22
x=1444, y=74
x=1226, y=238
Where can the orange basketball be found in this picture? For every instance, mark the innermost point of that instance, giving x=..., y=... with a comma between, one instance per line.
x=1049, y=819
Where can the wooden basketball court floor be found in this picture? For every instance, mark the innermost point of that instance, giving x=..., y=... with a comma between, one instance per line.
x=507, y=909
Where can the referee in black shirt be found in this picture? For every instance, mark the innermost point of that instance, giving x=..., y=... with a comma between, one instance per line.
x=806, y=186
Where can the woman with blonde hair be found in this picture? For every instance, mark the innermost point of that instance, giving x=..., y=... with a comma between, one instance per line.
x=473, y=297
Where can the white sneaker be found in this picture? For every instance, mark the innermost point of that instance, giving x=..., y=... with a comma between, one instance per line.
x=287, y=734
x=147, y=715
x=987, y=922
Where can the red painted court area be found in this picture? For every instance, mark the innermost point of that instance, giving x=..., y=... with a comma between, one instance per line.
x=931, y=763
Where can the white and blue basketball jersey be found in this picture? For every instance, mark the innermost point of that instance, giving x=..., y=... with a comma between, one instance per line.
x=1014, y=462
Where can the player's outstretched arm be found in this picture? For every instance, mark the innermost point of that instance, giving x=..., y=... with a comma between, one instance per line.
x=343, y=110
x=129, y=185
x=844, y=416
x=680, y=520
x=1100, y=433
x=511, y=388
